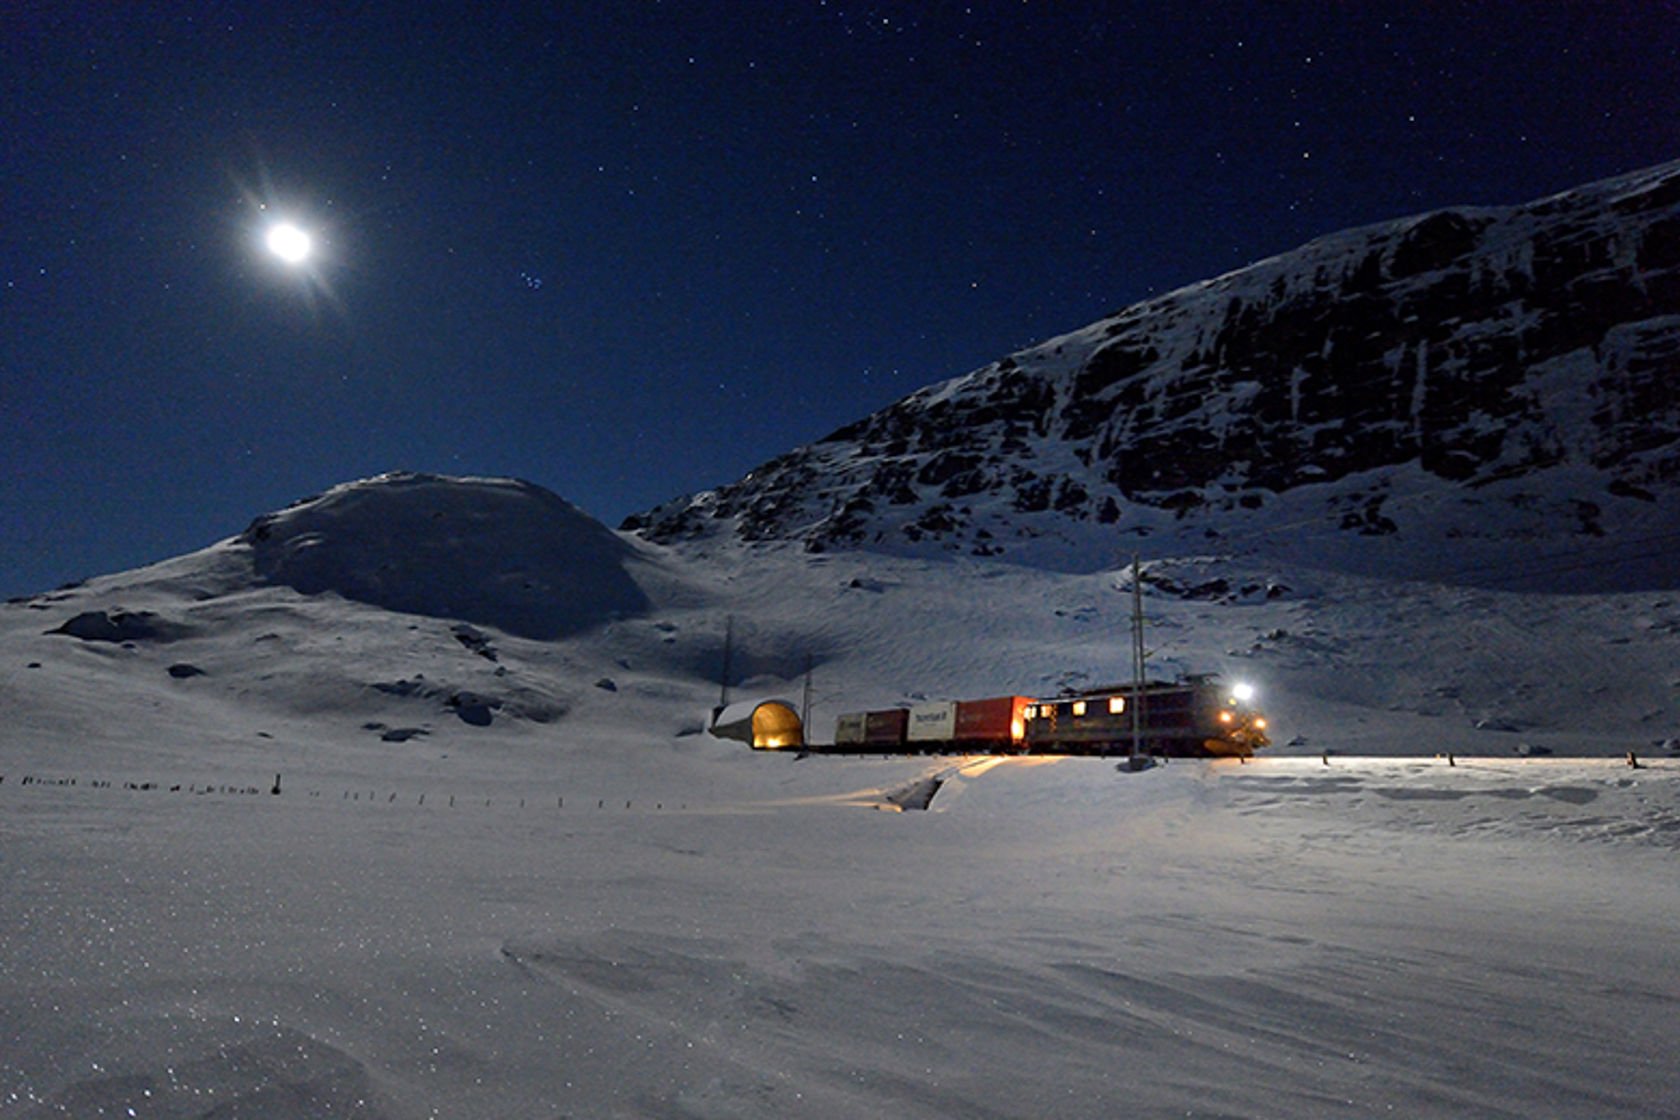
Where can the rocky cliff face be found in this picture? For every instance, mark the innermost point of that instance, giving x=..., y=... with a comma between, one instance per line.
x=1404, y=376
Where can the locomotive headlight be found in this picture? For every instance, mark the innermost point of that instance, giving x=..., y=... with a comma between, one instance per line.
x=1242, y=692
x=1260, y=724
x=1224, y=717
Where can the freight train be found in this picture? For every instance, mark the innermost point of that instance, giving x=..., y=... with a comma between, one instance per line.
x=1198, y=717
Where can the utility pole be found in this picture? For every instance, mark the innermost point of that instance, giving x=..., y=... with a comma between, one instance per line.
x=805, y=701
x=728, y=655
x=1137, y=657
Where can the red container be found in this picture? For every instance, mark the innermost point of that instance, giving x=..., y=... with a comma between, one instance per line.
x=886, y=729
x=1001, y=719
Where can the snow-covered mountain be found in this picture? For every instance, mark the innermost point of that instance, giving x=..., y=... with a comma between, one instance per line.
x=1481, y=397
x=1496, y=389
x=397, y=804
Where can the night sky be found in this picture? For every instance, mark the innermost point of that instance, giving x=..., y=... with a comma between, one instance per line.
x=630, y=250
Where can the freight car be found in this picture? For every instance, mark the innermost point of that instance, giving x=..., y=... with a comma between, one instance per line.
x=942, y=727
x=1195, y=717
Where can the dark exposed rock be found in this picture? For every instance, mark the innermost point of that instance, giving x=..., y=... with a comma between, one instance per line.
x=474, y=709
x=415, y=686
x=1434, y=243
x=1208, y=589
x=475, y=640
x=122, y=626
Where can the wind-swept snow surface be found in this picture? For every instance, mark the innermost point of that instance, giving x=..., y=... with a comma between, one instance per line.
x=1281, y=938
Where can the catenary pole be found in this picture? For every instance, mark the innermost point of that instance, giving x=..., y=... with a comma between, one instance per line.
x=728, y=655
x=1137, y=655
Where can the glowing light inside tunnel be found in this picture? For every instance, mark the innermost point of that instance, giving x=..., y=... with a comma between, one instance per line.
x=775, y=725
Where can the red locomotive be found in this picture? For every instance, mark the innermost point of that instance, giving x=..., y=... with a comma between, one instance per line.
x=1198, y=717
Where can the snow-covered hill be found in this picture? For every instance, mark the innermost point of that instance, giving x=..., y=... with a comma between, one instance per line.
x=391, y=609
x=1485, y=395
x=500, y=552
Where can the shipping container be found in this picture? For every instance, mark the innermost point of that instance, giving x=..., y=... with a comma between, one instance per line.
x=1001, y=719
x=933, y=722
x=848, y=728
x=886, y=729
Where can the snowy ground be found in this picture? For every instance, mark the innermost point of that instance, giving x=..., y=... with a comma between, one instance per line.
x=1281, y=938
x=508, y=876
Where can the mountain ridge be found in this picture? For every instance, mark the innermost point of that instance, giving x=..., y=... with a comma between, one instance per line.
x=1492, y=377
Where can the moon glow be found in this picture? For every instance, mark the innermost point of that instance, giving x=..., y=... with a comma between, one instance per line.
x=289, y=243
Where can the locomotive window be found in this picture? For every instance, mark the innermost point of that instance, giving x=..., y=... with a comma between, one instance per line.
x=1079, y=707
x=1116, y=705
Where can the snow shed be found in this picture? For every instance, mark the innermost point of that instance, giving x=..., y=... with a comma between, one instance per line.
x=765, y=724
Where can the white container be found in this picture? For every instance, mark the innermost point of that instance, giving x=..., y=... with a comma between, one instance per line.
x=934, y=722
x=849, y=728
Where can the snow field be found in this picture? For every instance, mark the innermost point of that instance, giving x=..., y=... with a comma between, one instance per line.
x=1279, y=938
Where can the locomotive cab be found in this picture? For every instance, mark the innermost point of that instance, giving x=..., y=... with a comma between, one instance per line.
x=1197, y=717
x=1241, y=726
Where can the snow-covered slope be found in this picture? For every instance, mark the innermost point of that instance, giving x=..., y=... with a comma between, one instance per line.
x=384, y=605
x=617, y=633
x=1475, y=394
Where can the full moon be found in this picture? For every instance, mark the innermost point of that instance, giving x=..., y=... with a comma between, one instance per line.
x=289, y=243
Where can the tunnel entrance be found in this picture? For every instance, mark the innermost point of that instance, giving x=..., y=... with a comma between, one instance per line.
x=762, y=724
